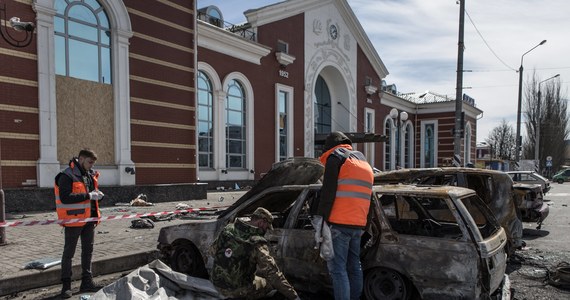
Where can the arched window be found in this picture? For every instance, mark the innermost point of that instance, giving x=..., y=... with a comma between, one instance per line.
x=236, y=126
x=82, y=40
x=408, y=146
x=322, y=107
x=429, y=150
x=205, y=122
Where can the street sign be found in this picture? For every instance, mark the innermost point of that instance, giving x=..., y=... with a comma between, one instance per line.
x=549, y=158
x=549, y=163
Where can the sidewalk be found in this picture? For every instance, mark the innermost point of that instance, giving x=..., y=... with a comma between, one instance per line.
x=117, y=246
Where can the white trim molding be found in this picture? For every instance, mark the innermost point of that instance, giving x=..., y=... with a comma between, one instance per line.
x=289, y=109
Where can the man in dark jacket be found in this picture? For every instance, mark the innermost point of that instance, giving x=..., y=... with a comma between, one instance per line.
x=344, y=204
x=76, y=197
x=243, y=266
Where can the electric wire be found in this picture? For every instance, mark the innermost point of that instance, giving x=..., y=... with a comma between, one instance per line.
x=487, y=44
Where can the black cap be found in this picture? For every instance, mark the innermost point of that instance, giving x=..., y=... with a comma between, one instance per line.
x=334, y=139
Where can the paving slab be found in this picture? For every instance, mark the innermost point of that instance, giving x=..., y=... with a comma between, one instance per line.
x=117, y=246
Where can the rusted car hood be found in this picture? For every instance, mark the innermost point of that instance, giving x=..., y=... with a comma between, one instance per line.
x=293, y=171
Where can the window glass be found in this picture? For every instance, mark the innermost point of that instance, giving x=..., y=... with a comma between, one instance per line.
x=60, y=55
x=205, y=121
x=282, y=107
x=60, y=6
x=81, y=63
x=93, y=3
x=82, y=31
x=235, y=125
x=80, y=12
x=429, y=143
x=82, y=40
x=106, y=65
x=103, y=19
x=59, y=24
x=323, y=107
x=105, y=36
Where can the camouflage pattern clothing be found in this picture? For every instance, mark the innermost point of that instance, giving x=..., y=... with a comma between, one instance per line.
x=243, y=266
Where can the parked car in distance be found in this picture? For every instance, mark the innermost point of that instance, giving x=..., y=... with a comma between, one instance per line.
x=530, y=201
x=561, y=176
x=419, y=243
x=531, y=177
x=495, y=188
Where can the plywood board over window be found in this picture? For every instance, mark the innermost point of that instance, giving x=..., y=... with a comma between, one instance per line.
x=85, y=119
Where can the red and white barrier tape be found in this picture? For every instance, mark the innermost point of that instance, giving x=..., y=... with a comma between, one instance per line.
x=131, y=216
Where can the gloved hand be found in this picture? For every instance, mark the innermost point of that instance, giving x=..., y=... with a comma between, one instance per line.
x=96, y=195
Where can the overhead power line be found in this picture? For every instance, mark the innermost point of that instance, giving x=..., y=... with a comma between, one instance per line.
x=487, y=44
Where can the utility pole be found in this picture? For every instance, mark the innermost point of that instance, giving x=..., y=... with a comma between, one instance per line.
x=457, y=130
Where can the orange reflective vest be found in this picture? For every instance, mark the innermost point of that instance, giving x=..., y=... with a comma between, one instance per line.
x=80, y=210
x=354, y=187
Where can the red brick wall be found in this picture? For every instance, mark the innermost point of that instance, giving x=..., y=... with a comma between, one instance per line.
x=19, y=128
x=154, y=163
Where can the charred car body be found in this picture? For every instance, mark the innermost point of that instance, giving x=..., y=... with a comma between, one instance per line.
x=495, y=188
x=420, y=242
x=530, y=201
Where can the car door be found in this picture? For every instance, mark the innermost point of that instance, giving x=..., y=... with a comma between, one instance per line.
x=301, y=261
x=439, y=259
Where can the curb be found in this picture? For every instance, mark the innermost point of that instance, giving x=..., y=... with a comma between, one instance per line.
x=116, y=264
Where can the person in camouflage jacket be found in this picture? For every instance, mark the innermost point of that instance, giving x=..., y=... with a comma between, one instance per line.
x=243, y=266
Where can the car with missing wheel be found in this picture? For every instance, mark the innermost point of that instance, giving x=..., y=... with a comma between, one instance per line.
x=420, y=242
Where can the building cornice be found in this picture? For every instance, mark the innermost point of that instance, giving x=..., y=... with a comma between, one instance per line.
x=230, y=44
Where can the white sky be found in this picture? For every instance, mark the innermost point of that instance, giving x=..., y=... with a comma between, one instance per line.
x=417, y=41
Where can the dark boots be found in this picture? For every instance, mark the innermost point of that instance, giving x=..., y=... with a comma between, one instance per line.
x=66, y=289
x=87, y=285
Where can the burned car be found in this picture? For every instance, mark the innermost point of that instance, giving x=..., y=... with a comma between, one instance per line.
x=420, y=242
x=495, y=188
x=530, y=201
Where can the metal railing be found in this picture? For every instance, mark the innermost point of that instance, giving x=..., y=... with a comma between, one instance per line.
x=243, y=30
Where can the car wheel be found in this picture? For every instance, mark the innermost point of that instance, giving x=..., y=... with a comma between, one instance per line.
x=560, y=181
x=383, y=283
x=187, y=259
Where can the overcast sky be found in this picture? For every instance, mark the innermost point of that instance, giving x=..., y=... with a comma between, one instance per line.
x=417, y=41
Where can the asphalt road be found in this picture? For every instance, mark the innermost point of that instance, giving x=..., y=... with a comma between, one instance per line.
x=533, y=269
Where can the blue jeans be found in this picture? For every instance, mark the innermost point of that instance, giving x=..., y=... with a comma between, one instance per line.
x=344, y=268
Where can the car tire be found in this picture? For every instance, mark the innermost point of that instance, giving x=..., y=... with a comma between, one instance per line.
x=384, y=283
x=560, y=181
x=187, y=259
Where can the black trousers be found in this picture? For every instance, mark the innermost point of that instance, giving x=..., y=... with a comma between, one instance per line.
x=72, y=235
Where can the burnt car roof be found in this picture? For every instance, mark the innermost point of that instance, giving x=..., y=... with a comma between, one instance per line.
x=525, y=186
x=405, y=174
x=439, y=190
x=292, y=171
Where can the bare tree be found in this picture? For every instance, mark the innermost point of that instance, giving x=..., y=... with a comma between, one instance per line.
x=502, y=141
x=552, y=119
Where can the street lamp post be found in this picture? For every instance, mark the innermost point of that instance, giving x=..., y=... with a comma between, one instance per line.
x=537, y=129
x=518, y=137
x=399, y=118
